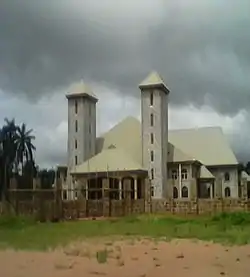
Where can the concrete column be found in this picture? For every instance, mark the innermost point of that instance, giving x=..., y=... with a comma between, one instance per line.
x=218, y=186
x=120, y=188
x=135, y=187
x=86, y=187
x=179, y=170
x=211, y=190
x=243, y=183
x=105, y=187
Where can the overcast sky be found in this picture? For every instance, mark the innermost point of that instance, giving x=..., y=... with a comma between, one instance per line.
x=200, y=47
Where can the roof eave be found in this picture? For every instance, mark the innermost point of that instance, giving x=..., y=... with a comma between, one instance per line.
x=84, y=94
x=152, y=86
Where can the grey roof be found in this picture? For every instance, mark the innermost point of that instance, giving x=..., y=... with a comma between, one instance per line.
x=125, y=135
x=244, y=175
x=111, y=159
x=205, y=173
x=154, y=80
x=208, y=145
x=80, y=89
x=176, y=155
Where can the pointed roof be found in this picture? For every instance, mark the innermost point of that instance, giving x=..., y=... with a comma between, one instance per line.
x=205, y=173
x=111, y=159
x=81, y=90
x=153, y=80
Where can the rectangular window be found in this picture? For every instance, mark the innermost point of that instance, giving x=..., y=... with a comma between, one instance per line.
x=151, y=99
x=75, y=144
x=174, y=174
x=151, y=119
x=152, y=156
x=90, y=128
x=76, y=126
x=152, y=174
x=152, y=138
x=76, y=107
x=75, y=160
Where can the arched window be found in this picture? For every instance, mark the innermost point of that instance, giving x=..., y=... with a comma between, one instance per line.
x=174, y=174
x=227, y=177
x=175, y=192
x=227, y=192
x=184, y=174
x=184, y=192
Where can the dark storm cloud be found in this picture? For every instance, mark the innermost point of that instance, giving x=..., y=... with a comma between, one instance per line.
x=200, y=47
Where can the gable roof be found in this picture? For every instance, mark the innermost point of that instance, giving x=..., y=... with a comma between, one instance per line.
x=207, y=145
x=125, y=135
x=111, y=159
x=154, y=80
x=176, y=155
x=81, y=89
x=205, y=173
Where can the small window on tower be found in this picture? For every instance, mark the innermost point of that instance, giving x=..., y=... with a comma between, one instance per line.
x=75, y=144
x=152, y=174
x=151, y=99
x=76, y=126
x=75, y=160
x=152, y=156
x=152, y=119
x=76, y=107
x=152, y=138
x=90, y=128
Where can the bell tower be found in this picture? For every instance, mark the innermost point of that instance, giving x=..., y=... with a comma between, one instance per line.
x=154, y=129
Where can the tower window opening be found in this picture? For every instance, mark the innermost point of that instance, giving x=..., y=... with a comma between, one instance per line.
x=152, y=119
x=76, y=107
x=76, y=126
x=152, y=156
x=152, y=174
x=152, y=138
x=151, y=99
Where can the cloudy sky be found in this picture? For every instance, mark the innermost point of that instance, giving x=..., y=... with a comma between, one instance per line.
x=200, y=47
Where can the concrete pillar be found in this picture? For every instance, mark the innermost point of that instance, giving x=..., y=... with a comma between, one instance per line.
x=193, y=189
x=244, y=188
x=105, y=187
x=218, y=188
x=86, y=189
x=135, y=187
x=120, y=188
x=211, y=190
x=180, y=186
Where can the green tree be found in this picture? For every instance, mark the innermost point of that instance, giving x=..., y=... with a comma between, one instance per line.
x=15, y=147
x=24, y=145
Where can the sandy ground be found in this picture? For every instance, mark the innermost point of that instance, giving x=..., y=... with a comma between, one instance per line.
x=142, y=258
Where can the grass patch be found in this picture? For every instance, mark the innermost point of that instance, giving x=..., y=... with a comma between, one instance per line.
x=25, y=233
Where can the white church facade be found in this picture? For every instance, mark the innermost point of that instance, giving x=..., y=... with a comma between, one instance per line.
x=184, y=163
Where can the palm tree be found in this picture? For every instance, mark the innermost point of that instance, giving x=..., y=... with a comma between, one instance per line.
x=15, y=147
x=24, y=145
x=8, y=150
